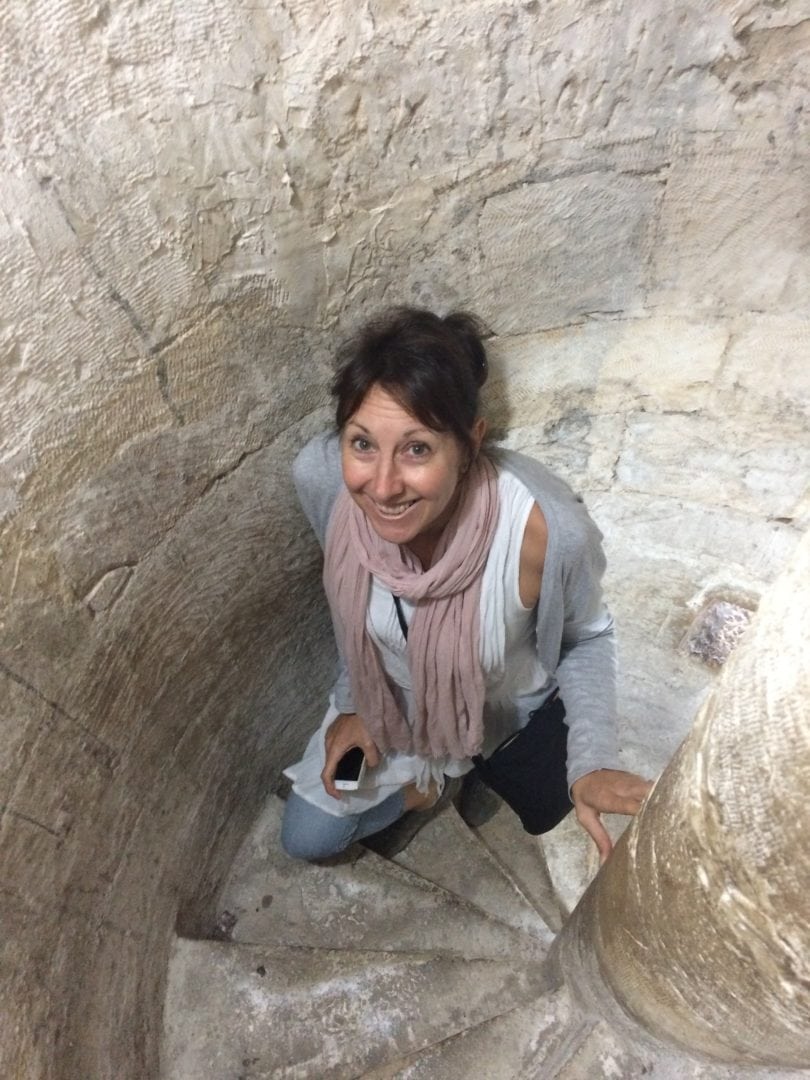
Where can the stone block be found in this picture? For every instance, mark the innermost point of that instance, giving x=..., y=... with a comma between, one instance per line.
x=698, y=457
x=666, y=363
x=727, y=240
x=540, y=227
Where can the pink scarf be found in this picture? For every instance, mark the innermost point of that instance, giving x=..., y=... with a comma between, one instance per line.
x=443, y=638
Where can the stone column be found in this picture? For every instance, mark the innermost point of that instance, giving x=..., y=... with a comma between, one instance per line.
x=699, y=925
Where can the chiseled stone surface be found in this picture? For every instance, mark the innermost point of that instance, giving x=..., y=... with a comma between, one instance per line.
x=310, y=1012
x=195, y=201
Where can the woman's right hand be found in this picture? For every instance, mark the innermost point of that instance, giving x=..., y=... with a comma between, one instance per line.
x=345, y=731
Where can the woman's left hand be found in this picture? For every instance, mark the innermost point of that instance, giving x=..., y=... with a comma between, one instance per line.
x=607, y=791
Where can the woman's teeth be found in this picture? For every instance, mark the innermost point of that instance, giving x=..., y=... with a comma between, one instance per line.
x=393, y=511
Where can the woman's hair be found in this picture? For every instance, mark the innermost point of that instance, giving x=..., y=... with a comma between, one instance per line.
x=432, y=367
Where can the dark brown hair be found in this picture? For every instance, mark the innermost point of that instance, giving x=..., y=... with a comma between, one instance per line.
x=434, y=367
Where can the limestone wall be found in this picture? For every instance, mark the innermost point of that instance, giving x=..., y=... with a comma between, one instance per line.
x=196, y=200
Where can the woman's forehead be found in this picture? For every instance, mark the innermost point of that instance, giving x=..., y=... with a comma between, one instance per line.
x=381, y=408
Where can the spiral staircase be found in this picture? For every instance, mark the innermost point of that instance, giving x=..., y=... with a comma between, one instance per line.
x=427, y=966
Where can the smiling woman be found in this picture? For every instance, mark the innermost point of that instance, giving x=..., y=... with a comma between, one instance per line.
x=405, y=478
x=466, y=599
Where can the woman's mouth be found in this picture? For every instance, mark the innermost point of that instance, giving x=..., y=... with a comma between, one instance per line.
x=392, y=512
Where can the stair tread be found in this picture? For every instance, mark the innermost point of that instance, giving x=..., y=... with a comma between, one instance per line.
x=572, y=858
x=448, y=853
x=507, y=1047
x=522, y=857
x=308, y=1013
x=362, y=902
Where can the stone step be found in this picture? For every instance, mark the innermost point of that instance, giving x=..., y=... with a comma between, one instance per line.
x=512, y=1045
x=572, y=857
x=574, y=1055
x=256, y=1012
x=448, y=853
x=522, y=858
x=360, y=902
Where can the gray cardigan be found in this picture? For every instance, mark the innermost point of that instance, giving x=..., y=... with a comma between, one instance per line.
x=575, y=639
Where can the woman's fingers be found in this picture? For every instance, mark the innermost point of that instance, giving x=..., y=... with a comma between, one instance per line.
x=592, y=824
x=611, y=791
x=607, y=791
x=613, y=802
x=635, y=787
x=345, y=732
x=369, y=748
x=333, y=756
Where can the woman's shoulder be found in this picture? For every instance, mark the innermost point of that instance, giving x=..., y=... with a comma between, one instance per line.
x=322, y=452
x=318, y=478
x=538, y=478
x=564, y=511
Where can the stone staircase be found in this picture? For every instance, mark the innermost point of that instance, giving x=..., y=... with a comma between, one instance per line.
x=429, y=966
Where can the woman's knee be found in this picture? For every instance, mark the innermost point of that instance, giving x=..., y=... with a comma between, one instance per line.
x=310, y=848
x=311, y=834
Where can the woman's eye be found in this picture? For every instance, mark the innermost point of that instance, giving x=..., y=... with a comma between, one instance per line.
x=361, y=444
x=419, y=449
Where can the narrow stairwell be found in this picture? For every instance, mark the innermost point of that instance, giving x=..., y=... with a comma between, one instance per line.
x=429, y=966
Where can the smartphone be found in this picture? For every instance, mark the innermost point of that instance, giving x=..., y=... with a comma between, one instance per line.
x=350, y=770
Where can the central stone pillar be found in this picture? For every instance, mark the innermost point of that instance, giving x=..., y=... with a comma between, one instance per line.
x=698, y=926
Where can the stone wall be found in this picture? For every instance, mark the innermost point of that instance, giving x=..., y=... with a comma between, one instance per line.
x=196, y=201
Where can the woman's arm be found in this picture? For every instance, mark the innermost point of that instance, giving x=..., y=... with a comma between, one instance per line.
x=587, y=666
x=318, y=480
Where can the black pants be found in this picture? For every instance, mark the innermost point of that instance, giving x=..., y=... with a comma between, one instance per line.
x=528, y=770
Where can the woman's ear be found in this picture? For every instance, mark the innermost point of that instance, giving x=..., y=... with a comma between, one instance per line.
x=477, y=433
x=479, y=430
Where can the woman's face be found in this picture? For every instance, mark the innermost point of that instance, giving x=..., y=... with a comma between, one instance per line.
x=401, y=474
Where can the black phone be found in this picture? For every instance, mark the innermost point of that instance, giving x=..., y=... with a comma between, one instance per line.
x=350, y=770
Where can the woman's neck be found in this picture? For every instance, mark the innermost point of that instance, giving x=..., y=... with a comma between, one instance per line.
x=424, y=547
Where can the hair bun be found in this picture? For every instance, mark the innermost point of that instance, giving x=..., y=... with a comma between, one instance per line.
x=470, y=332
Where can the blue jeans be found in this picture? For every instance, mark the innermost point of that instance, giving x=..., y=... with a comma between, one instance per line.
x=307, y=832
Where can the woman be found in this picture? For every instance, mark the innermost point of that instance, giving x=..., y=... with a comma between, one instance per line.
x=465, y=593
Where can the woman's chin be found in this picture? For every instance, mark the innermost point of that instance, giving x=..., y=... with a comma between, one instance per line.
x=393, y=532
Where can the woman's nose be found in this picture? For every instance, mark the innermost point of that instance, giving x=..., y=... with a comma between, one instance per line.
x=387, y=481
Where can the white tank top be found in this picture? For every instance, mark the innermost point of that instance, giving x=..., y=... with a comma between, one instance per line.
x=512, y=672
